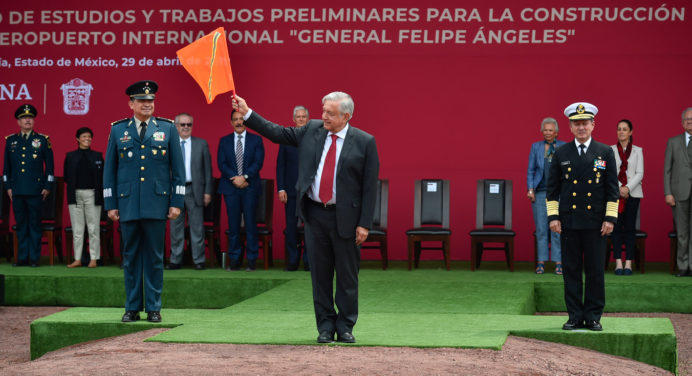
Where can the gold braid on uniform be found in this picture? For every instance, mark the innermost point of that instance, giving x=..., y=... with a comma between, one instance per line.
x=612, y=209
x=553, y=207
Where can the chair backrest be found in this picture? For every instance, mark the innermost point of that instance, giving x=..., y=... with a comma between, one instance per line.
x=431, y=205
x=51, y=207
x=212, y=212
x=264, y=213
x=4, y=204
x=494, y=203
x=379, y=218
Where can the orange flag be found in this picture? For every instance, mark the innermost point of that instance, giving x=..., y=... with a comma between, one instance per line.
x=207, y=61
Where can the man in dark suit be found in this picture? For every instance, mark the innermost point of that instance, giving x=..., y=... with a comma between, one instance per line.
x=143, y=184
x=198, y=191
x=286, y=178
x=337, y=183
x=677, y=184
x=28, y=176
x=582, y=203
x=240, y=159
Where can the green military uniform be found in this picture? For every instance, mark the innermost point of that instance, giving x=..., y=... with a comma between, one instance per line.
x=28, y=169
x=142, y=178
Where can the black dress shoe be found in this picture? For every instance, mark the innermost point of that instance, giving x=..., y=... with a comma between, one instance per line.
x=199, y=266
x=250, y=267
x=130, y=316
x=34, y=264
x=683, y=273
x=593, y=325
x=154, y=316
x=290, y=268
x=572, y=325
x=172, y=266
x=325, y=337
x=346, y=338
x=21, y=263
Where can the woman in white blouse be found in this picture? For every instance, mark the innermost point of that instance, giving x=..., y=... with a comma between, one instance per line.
x=630, y=165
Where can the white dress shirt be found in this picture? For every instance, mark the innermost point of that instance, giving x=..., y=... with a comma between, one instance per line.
x=586, y=144
x=187, y=158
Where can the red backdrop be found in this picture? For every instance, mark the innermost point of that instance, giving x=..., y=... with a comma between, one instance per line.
x=460, y=109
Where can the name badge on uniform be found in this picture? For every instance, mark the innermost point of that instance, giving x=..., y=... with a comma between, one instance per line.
x=159, y=136
x=599, y=164
x=125, y=138
x=36, y=143
x=564, y=163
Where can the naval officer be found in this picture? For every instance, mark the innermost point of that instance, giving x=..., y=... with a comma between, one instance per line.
x=582, y=205
x=28, y=176
x=143, y=184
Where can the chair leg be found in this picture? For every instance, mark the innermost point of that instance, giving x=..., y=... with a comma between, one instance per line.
x=416, y=250
x=511, y=254
x=473, y=254
x=641, y=254
x=383, y=251
x=479, y=254
x=446, y=246
x=15, y=242
x=410, y=250
x=50, y=247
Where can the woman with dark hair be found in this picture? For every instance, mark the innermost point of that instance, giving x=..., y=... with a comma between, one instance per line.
x=630, y=164
x=83, y=172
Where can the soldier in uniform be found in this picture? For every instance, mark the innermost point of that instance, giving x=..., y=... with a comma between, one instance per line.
x=582, y=204
x=143, y=184
x=28, y=182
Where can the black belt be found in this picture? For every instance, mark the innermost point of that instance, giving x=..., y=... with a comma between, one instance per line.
x=321, y=205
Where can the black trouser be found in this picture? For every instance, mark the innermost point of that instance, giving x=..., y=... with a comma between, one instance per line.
x=625, y=230
x=328, y=252
x=583, y=249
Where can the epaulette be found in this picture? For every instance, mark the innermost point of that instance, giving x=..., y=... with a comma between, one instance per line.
x=44, y=135
x=9, y=135
x=119, y=121
x=166, y=119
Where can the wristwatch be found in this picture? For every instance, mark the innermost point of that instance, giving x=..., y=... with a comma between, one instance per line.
x=245, y=177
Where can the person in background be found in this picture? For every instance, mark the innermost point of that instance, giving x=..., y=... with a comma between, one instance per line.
x=83, y=169
x=677, y=184
x=540, y=157
x=198, y=191
x=629, y=161
x=286, y=178
x=240, y=158
x=28, y=177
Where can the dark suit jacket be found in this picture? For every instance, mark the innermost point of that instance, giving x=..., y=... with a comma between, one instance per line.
x=253, y=158
x=583, y=192
x=677, y=174
x=287, y=170
x=356, y=175
x=70, y=167
x=200, y=167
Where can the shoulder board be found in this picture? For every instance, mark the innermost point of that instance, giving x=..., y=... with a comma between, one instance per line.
x=119, y=121
x=165, y=119
x=44, y=135
x=9, y=135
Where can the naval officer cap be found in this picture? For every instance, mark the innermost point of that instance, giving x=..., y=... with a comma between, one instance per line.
x=25, y=110
x=142, y=90
x=581, y=111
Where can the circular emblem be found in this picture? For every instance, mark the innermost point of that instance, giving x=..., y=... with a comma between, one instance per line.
x=580, y=109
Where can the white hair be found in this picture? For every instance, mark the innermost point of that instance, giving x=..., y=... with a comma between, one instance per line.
x=547, y=121
x=299, y=108
x=345, y=101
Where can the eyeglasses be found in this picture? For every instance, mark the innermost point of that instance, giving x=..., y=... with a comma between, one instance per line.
x=686, y=119
x=185, y=124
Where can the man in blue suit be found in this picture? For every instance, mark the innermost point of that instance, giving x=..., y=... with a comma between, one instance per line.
x=240, y=158
x=143, y=184
x=286, y=178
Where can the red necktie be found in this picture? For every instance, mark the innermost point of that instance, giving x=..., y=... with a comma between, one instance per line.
x=327, y=180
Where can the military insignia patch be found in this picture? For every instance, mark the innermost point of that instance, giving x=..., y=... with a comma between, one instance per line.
x=599, y=164
x=36, y=143
x=580, y=109
x=159, y=136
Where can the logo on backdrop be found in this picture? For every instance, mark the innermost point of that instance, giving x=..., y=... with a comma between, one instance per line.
x=75, y=95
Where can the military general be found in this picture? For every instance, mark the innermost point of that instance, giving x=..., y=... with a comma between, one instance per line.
x=582, y=204
x=143, y=185
x=28, y=177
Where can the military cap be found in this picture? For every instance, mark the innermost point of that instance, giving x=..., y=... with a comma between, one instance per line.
x=142, y=90
x=25, y=110
x=581, y=111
